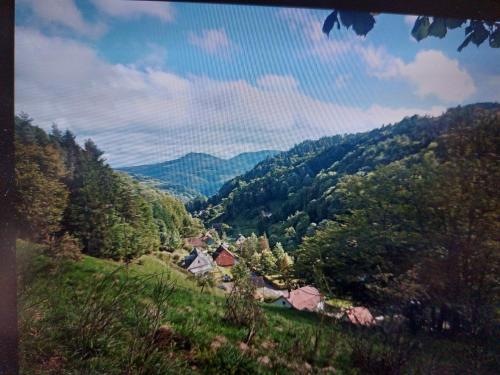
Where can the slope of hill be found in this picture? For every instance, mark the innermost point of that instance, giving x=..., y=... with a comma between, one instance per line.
x=289, y=194
x=98, y=316
x=196, y=173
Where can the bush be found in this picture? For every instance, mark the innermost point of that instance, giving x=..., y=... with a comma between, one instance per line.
x=229, y=360
x=241, y=307
x=66, y=247
x=382, y=354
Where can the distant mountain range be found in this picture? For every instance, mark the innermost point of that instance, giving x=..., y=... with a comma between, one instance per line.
x=196, y=174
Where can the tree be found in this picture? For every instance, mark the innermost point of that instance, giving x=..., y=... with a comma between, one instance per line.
x=476, y=31
x=463, y=224
x=250, y=247
x=240, y=271
x=268, y=262
x=205, y=280
x=241, y=307
x=365, y=248
x=278, y=251
x=263, y=243
x=421, y=229
x=41, y=196
x=66, y=191
x=284, y=264
x=255, y=262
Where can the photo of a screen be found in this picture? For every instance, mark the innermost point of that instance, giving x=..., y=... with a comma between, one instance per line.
x=242, y=189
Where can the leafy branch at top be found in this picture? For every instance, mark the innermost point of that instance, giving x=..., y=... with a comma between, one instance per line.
x=476, y=31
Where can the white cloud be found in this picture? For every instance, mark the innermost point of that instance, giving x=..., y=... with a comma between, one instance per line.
x=133, y=9
x=211, y=40
x=151, y=114
x=432, y=73
x=277, y=82
x=155, y=57
x=64, y=13
x=410, y=20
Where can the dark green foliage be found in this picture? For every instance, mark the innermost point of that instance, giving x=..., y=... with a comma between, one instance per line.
x=296, y=187
x=63, y=187
x=421, y=229
x=41, y=196
x=241, y=308
x=107, y=211
x=438, y=28
x=382, y=354
x=476, y=31
x=361, y=22
x=230, y=360
x=421, y=28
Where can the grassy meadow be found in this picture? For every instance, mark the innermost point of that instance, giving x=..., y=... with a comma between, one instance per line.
x=98, y=316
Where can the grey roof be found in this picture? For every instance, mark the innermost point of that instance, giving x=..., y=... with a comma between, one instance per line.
x=198, y=262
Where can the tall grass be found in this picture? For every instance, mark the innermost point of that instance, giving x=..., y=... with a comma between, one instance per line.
x=101, y=317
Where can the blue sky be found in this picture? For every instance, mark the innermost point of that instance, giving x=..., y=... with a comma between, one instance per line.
x=153, y=81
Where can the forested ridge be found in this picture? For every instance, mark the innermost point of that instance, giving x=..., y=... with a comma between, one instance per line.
x=289, y=195
x=405, y=217
x=402, y=221
x=69, y=195
x=196, y=174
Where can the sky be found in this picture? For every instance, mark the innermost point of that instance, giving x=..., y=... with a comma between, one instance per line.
x=152, y=81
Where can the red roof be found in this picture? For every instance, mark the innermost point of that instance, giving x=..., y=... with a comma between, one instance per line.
x=196, y=242
x=305, y=298
x=223, y=257
x=360, y=315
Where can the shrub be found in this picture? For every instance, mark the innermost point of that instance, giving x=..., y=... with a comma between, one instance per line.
x=66, y=247
x=382, y=354
x=229, y=360
x=241, y=307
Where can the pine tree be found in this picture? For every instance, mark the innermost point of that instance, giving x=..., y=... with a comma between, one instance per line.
x=41, y=196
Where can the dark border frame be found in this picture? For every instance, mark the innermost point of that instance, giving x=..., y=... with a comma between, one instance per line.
x=466, y=9
x=8, y=278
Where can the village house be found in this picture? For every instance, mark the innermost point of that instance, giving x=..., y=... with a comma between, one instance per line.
x=197, y=262
x=258, y=281
x=223, y=257
x=208, y=238
x=195, y=242
x=306, y=298
x=359, y=316
x=240, y=240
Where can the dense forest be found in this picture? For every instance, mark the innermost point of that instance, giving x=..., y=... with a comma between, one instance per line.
x=69, y=198
x=402, y=220
x=289, y=195
x=404, y=217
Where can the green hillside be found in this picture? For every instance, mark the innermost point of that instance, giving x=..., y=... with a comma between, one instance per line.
x=289, y=195
x=402, y=220
x=196, y=173
x=99, y=316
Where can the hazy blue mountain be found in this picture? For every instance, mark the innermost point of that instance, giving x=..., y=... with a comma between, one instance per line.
x=196, y=173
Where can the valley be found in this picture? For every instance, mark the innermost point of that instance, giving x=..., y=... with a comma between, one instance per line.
x=196, y=174
x=302, y=264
